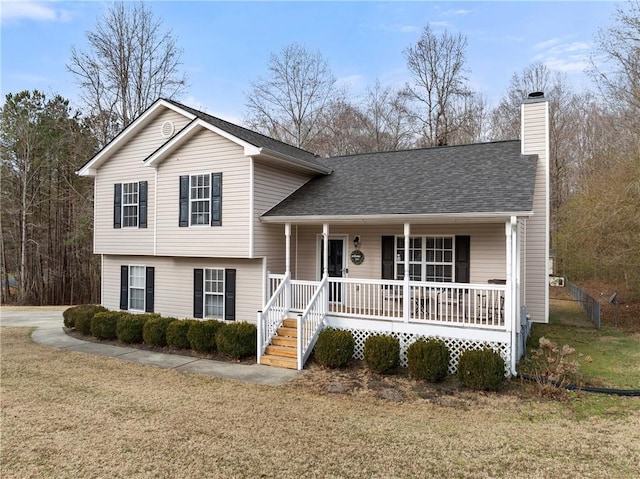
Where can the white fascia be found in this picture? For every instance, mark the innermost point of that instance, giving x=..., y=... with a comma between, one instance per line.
x=90, y=168
x=399, y=218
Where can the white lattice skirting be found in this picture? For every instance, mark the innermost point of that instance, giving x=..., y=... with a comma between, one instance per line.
x=456, y=346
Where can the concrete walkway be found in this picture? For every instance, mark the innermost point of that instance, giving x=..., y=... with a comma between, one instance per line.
x=49, y=332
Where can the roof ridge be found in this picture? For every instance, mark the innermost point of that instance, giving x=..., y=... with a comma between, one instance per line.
x=425, y=148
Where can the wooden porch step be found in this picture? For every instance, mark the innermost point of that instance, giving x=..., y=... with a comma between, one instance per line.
x=283, y=351
x=279, y=361
x=287, y=332
x=289, y=341
x=290, y=323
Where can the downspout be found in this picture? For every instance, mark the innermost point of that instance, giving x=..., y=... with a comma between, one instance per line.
x=251, y=207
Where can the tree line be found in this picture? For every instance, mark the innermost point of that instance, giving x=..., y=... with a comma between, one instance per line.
x=47, y=211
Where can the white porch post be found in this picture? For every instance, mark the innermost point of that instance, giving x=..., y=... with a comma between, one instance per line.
x=406, y=304
x=287, y=236
x=287, y=274
x=325, y=250
x=511, y=315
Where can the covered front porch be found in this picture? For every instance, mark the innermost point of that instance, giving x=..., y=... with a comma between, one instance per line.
x=426, y=286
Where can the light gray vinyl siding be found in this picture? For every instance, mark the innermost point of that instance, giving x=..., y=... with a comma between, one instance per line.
x=535, y=141
x=272, y=185
x=488, y=243
x=125, y=166
x=205, y=152
x=174, y=283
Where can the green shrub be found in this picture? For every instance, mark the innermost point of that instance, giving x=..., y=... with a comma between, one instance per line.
x=177, y=333
x=428, y=360
x=382, y=353
x=481, y=370
x=334, y=348
x=154, y=331
x=237, y=340
x=202, y=335
x=130, y=326
x=104, y=324
x=85, y=313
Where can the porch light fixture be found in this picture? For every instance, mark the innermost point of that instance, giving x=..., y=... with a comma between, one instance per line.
x=356, y=241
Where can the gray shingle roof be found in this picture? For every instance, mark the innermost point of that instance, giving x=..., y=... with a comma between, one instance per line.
x=480, y=178
x=252, y=137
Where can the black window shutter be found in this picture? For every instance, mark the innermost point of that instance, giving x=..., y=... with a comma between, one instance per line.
x=149, y=289
x=184, y=201
x=216, y=199
x=230, y=294
x=463, y=259
x=124, y=287
x=142, y=204
x=117, y=205
x=388, y=246
x=198, y=293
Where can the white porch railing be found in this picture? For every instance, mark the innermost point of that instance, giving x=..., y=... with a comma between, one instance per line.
x=270, y=318
x=452, y=304
x=310, y=321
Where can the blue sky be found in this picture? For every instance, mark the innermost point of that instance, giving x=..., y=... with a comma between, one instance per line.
x=227, y=44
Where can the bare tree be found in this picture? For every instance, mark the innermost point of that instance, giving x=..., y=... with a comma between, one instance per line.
x=131, y=62
x=616, y=66
x=388, y=122
x=437, y=66
x=290, y=102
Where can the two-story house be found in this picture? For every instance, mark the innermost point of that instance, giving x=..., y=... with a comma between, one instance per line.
x=198, y=217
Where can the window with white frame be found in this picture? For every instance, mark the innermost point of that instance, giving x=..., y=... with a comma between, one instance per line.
x=430, y=258
x=136, y=288
x=130, y=205
x=200, y=199
x=214, y=293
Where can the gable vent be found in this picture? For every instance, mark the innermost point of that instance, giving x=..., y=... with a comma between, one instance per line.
x=167, y=129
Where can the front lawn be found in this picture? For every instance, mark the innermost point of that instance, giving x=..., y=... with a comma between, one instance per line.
x=69, y=415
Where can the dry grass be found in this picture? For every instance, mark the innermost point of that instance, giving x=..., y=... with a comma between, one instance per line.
x=70, y=415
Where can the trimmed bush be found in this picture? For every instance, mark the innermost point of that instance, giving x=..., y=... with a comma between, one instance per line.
x=202, y=335
x=334, y=348
x=481, y=370
x=104, y=324
x=382, y=353
x=130, y=326
x=428, y=360
x=177, y=333
x=154, y=331
x=85, y=313
x=237, y=340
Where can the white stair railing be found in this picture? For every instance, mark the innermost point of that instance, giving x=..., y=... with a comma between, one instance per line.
x=310, y=321
x=270, y=318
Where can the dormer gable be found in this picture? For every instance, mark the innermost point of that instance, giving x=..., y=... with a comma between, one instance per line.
x=150, y=114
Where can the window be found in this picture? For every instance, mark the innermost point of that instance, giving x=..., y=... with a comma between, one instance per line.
x=214, y=293
x=129, y=205
x=136, y=288
x=201, y=200
x=430, y=258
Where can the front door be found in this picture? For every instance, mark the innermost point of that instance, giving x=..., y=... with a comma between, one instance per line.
x=335, y=266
